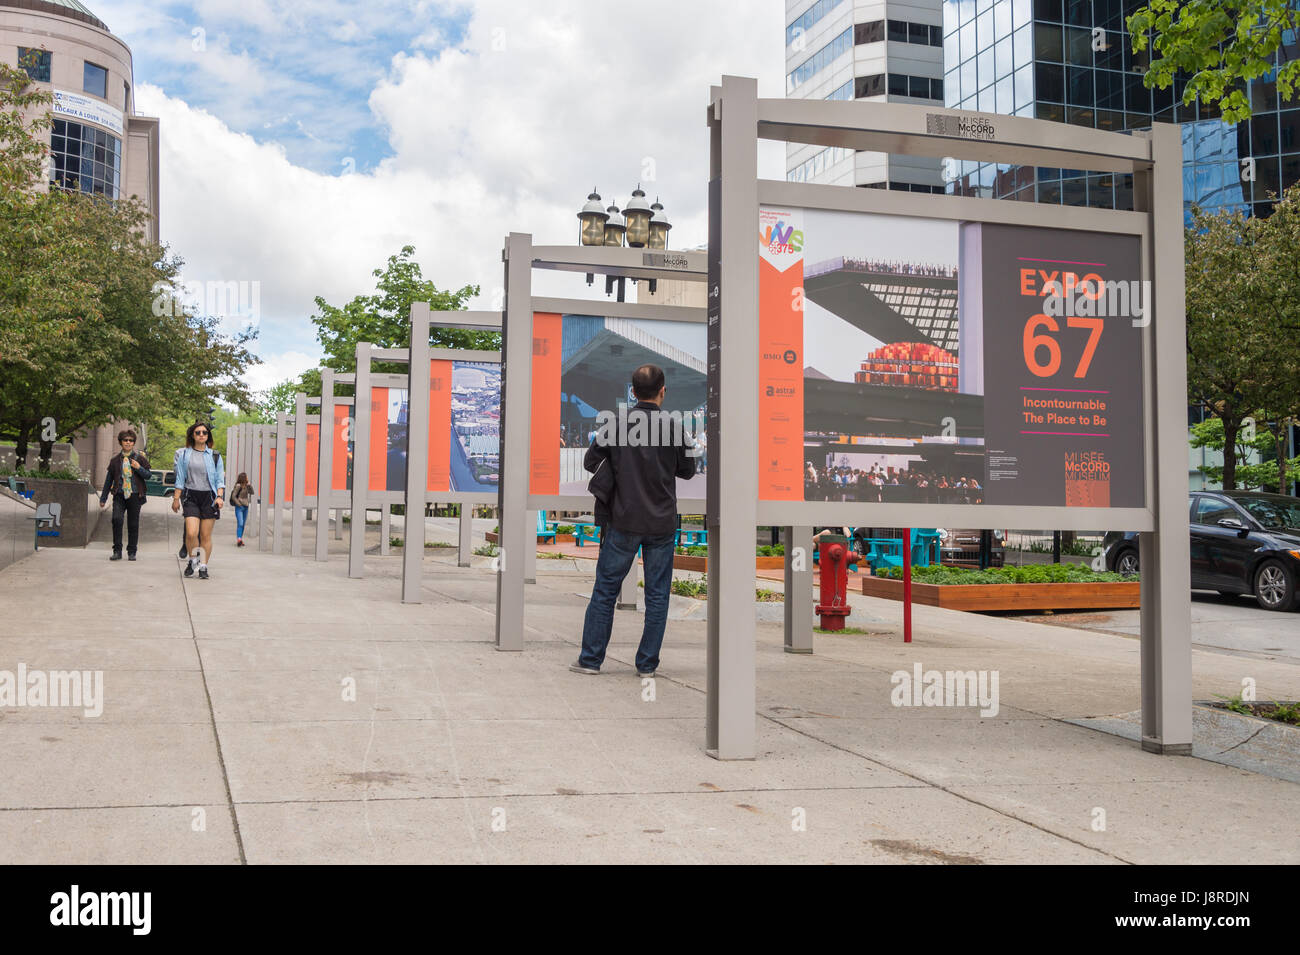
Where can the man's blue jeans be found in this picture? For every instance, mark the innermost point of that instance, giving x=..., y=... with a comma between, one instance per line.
x=241, y=515
x=617, y=552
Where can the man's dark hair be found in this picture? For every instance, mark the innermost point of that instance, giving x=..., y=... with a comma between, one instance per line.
x=189, y=435
x=123, y=435
x=646, y=382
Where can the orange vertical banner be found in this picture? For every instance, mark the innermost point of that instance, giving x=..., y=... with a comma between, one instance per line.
x=378, y=439
x=440, y=437
x=313, y=458
x=780, y=361
x=544, y=441
x=288, y=469
x=339, y=479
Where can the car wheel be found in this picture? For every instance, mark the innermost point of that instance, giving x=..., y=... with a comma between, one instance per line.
x=1274, y=586
x=1127, y=562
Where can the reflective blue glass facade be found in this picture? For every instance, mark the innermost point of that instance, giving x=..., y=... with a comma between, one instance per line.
x=1071, y=61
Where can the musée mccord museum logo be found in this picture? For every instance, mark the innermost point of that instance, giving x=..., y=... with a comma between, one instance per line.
x=962, y=127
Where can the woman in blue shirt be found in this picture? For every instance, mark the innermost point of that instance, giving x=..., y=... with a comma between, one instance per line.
x=200, y=482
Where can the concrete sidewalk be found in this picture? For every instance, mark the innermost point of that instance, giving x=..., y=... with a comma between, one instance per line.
x=281, y=712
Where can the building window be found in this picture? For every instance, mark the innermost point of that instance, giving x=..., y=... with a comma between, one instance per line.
x=873, y=32
x=844, y=92
x=919, y=87
x=85, y=158
x=819, y=61
x=95, y=81
x=873, y=85
x=811, y=16
x=36, y=63
x=898, y=31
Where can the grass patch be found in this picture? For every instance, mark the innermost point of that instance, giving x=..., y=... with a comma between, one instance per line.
x=61, y=472
x=1281, y=711
x=1028, y=574
x=487, y=550
x=847, y=631
x=551, y=555
x=699, y=589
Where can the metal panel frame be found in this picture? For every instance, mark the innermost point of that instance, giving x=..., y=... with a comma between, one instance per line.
x=418, y=355
x=517, y=506
x=737, y=119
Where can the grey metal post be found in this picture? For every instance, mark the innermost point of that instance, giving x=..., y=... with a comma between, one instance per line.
x=530, y=549
x=264, y=512
x=730, y=721
x=516, y=399
x=385, y=528
x=627, y=590
x=1165, y=555
x=299, y=505
x=360, y=463
x=250, y=466
x=465, y=549
x=799, y=616
x=417, y=452
x=282, y=432
x=325, y=464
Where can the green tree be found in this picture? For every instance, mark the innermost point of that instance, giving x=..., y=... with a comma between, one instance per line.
x=90, y=326
x=1242, y=284
x=1218, y=45
x=384, y=318
x=1259, y=453
x=278, y=399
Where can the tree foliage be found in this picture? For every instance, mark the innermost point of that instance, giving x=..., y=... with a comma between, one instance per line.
x=383, y=318
x=1260, y=453
x=1218, y=45
x=91, y=329
x=278, y=399
x=1243, y=318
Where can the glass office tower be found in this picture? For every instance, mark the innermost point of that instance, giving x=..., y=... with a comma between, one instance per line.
x=1071, y=61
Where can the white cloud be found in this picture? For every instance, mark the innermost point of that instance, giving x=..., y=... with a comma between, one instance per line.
x=506, y=133
x=276, y=368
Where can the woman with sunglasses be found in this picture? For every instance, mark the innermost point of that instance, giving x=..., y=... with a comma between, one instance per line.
x=200, y=482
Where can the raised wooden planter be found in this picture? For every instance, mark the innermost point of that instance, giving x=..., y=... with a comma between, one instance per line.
x=982, y=597
x=494, y=538
x=701, y=564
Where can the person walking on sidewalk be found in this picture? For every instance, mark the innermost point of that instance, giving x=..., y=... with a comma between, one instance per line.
x=642, y=516
x=125, y=479
x=241, y=495
x=200, y=482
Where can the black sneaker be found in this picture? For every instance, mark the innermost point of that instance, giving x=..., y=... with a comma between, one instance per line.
x=203, y=573
x=117, y=555
x=130, y=556
x=182, y=553
x=189, y=569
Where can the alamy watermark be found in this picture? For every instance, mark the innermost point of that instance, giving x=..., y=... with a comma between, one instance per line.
x=638, y=428
x=61, y=688
x=946, y=688
x=1090, y=297
x=240, y=299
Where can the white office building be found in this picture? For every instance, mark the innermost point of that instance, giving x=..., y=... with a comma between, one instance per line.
x=882, y=50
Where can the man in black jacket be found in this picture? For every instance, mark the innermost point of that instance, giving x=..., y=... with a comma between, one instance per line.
x=125, y=479
x=647, y=455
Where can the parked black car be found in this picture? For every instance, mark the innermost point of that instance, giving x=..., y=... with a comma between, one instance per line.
x=1242, y=542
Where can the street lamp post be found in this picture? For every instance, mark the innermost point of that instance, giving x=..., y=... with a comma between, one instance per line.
x=640, y=224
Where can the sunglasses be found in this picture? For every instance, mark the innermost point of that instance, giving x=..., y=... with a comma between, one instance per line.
x=198, y=433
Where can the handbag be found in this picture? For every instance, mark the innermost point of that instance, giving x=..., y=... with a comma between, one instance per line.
x=601, y=485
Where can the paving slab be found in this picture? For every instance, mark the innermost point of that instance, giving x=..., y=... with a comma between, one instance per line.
x=316, y=718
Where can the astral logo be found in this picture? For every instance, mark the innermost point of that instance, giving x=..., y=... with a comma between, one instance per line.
x=947, y=688
x=102, y=908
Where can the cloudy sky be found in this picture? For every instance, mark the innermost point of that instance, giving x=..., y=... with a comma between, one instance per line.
x=305, y=141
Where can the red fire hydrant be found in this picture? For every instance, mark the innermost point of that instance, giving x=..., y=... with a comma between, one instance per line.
x=834, y=564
